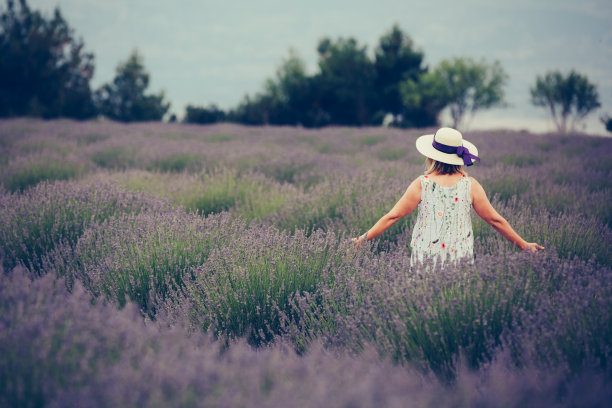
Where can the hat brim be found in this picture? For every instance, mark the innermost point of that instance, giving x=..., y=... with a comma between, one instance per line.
x=425, y=147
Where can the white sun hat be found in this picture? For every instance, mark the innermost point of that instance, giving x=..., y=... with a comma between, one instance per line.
x=448, y=146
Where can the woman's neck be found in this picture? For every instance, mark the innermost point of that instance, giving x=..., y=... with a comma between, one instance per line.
x=445, y=180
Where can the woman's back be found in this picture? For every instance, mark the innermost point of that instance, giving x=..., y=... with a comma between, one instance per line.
x=444, y=227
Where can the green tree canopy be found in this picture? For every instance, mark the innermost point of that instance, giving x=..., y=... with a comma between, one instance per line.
x=349, y=88
x=295, y=94
x=341, y=93
x=569, y=99
x=396, y=60
x=291, y=94
x=124, y=99
x=461, y=84
x=425, y=98
x=203, y=115
x=345, y=83
x=44, y=70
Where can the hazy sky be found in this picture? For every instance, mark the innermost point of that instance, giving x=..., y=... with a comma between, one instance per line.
x=202, y=52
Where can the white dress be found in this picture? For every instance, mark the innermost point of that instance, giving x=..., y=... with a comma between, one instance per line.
x=443, y=230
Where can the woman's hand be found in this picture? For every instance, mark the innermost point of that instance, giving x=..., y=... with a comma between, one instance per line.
x=532, y=247
x=358, y=241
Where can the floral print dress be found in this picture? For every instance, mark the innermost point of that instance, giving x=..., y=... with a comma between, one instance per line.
x=443, y=229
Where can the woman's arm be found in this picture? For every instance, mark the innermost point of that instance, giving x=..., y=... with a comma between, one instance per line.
x=409, y=201
x=485, y=210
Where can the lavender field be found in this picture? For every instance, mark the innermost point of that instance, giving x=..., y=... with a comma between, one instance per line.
x=177, y=265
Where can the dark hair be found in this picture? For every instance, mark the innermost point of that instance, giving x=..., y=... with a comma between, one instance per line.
x=434, y=166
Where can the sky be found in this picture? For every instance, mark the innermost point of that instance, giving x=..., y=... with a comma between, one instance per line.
x=201, y=52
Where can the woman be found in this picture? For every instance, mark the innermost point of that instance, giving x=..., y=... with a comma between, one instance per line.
x=444, y=196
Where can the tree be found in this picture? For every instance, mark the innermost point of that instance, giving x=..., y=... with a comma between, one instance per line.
x=124, y=99
x=345, y=84
x=284, y=99
x=425, y=98
x=395, y=61
x=203, y=115
x=293, y=95
x=461, y=84
x=44, y=70
x=569, y=98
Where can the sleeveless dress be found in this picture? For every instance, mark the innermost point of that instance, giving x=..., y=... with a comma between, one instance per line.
x=443, y=230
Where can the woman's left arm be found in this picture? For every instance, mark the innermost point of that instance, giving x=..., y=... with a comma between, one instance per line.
x=407, y=204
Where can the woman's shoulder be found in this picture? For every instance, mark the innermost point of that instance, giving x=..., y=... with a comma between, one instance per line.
x=417, y=182
x=475, y=186
x=414, y=189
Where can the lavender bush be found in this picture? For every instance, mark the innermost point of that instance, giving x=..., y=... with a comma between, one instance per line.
x=60, y=350
x=27, y=171
x=248, y=195
x=569, y=234
x=244, y=289
x=143, y=257
x=50, y=214
x=432, y=315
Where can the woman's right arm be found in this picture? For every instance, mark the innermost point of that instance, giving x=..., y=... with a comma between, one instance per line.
x=406, y=204
x=485, y=210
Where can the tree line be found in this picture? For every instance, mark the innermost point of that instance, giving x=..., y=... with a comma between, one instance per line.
x=350, y=88
x=46, y=72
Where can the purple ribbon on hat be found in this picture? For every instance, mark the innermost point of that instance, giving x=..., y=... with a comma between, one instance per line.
x=460, y=151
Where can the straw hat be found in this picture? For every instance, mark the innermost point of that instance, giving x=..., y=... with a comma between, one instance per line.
x=448, y=146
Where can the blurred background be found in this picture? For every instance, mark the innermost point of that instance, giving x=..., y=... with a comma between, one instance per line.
x=321, y=63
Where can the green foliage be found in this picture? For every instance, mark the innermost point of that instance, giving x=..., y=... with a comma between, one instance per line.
x=203, y=115
x=48, y=146
x=392, y=153
x=23, y=173
x=287, y=99
x=569, y=235
x=370, y=140
x=523, y=160
x=396, y=60
x=291, y=172
x=291, y=92
x=461, y=84
x=349, y=89
x=568, y=98
x=247, y=195
x=91, y=138
x=176, y=135
x=253, y=110
x=51, y=215
x=177, y=162
x=220, y=137
x=346, y=81
x=117, y=157
x=151, y=254
x=44, y=70
x=124, y=99
x=426, y=95
x=245, y=289
x=429, y=317
x=607, y=121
